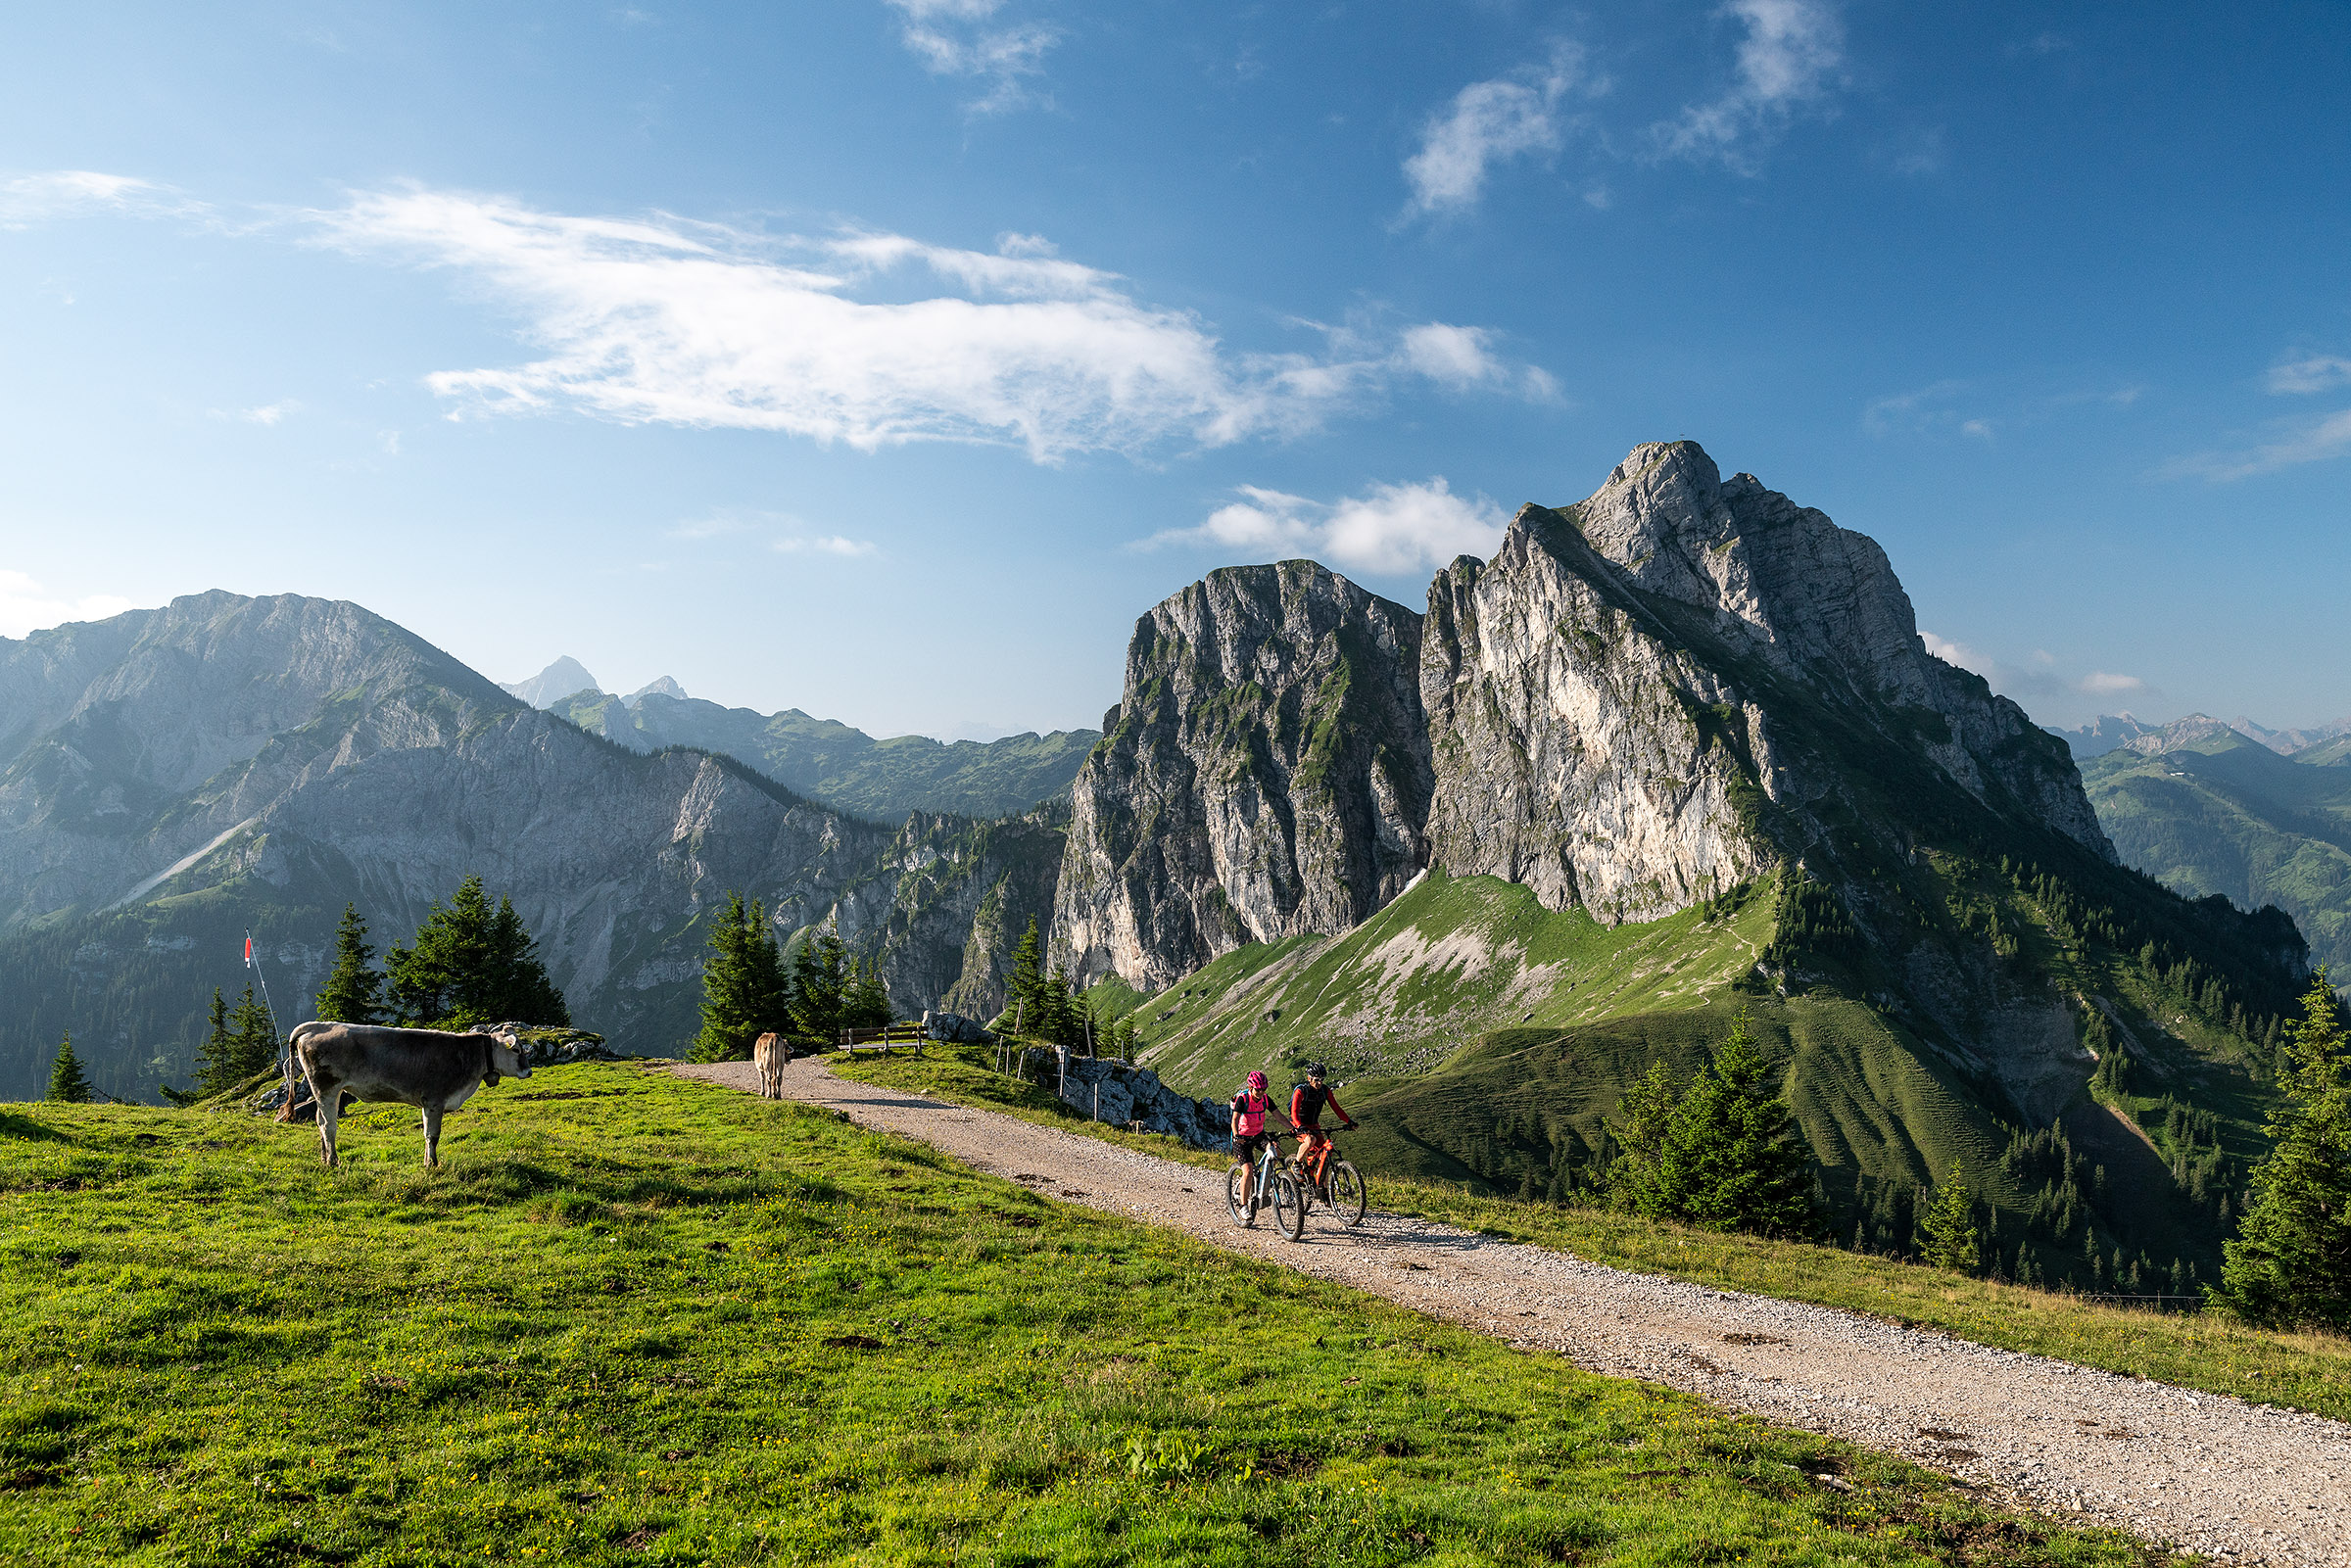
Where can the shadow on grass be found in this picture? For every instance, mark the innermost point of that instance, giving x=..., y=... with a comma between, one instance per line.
x=12, y=1125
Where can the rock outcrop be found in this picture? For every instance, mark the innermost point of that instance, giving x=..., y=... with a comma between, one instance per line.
x=1265, y=774
x=1128, y=1096
x=1642, y=701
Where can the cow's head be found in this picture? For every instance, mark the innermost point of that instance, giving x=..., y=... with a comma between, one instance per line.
x=509, y=1056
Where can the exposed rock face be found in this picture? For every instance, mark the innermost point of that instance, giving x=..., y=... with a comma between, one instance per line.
x=1606, y=698
x=951, y=900
x=1265, y=774
x=1122, y=1095
x=1564, y=729
x=1641, y=701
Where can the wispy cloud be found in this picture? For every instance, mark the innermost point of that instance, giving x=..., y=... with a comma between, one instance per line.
x=963, y=38
x=1921, y=412
x=822, y=544
x=74, y=192
x=2308, y=441
x=1489, y=123
x=1791, y=57
x=25, y=607
x=1464, y=358
x=1390, y=528
x=269, y=413
x=659, y=320
x=2313, y=372
x=2040, y=676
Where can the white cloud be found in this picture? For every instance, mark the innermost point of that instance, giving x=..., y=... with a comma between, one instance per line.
x=1463, y=360
x=1392, y=528
x=24, y=606
x=1789, y=59
x=2315, y=372
x=961, y=39
x=2311, y=441
x=1920, y=411
x=38, y=198
x=2038, y=677
x=1487, y=124
x=825, y=545
x=659, y=320
x=269, y=413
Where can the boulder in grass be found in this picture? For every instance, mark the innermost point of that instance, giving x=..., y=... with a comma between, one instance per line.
x=953, y=1028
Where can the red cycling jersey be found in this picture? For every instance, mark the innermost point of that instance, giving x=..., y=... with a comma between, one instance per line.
x=1305, y=1107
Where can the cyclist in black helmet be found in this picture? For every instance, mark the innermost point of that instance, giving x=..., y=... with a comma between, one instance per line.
x=1307, y=1101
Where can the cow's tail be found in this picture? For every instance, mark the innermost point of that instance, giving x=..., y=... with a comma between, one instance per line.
x=301, y=1036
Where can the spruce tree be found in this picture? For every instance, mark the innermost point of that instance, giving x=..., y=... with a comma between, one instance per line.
x=1637, y=1128
x=353, y=992
x=254, y=1037
x=818, y=977
x=744, y=991
x=67, y=1085
x=1948, y=1227
x=472, y=963
x=1025, y=985
x=2290, y=1262
x=1733, y=1151
x=865, y=1000
x=228, y=1045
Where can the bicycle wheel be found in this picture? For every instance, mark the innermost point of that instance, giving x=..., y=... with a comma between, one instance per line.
x=1289, y=1206
x=1237, y=1196
x=1349, y=1197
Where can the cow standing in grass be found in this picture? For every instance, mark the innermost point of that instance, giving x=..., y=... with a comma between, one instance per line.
x=433, y=1070
x=769, y=1053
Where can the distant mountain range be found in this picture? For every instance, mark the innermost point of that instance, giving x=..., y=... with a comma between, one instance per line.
x=2109, y=731
x=172, y=778
x=2260, y=816
x=822, y=758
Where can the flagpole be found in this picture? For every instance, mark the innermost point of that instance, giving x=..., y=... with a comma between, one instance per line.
x=253, y=962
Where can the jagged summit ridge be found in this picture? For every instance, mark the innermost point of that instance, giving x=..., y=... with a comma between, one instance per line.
x=1643, y=699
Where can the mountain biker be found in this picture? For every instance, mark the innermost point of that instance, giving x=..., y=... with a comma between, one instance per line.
x=1307, y=1101
x=1250, y=1108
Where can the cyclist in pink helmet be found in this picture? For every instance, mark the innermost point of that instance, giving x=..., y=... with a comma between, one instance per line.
x=1250, y=1108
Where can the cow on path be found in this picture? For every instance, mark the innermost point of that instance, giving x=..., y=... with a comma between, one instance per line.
x=769, y=1053
x=433, y=1070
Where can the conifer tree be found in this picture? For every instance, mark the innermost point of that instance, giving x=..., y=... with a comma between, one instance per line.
x=819, y=981
x=744, y=991
x=238, y=1043
x=1638, y=1128
x=1947, y=1228
x=1733, y=1153
x=2290, y=1262
x=353, y=992
x=67, y=1084
x=472, y=963
x=865, y=1000
x=1025, y=984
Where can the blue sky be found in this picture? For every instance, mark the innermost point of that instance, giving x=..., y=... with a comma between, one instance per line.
x=886, y=359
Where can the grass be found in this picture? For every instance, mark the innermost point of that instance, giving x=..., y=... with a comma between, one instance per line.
x=639, y=1320
x=2308, y=1371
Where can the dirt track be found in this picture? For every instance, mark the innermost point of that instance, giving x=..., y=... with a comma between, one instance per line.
x=2243, y=1483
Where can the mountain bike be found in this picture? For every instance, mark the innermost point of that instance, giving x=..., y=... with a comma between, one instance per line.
x=1341, y=1190
x=1269, y=1183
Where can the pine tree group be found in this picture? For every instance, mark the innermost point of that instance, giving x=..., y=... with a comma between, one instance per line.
x=238, y=1044
x=746, y=992
x=1721, y=1151
x=67, y=1084
x=2290, y=1262
x=472, y=963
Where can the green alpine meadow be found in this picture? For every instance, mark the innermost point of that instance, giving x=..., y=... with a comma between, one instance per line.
x=638, y=1319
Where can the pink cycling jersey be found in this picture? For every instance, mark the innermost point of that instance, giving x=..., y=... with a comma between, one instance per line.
x=1251, y=1110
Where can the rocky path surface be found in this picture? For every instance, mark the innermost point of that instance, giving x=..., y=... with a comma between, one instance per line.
x=2243, y=1482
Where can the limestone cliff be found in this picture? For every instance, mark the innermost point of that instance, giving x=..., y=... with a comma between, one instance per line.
x=1642, y=701
x=1618, y=699
x=1265, y=774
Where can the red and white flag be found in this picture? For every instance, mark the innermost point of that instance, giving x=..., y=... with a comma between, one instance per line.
x=249, y=952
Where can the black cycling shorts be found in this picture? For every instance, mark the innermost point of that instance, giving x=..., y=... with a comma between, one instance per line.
x=1247, y=1146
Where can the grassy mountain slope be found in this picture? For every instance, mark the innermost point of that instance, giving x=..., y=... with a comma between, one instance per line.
x=747, y=1332
x=1486, y=1038
x=2220, y=814
x=843, y=766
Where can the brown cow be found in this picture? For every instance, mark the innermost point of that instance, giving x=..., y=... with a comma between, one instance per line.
x=433, y=1070
x=769, y=1053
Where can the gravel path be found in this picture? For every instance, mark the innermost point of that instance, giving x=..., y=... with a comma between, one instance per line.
x=2239, y=1482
